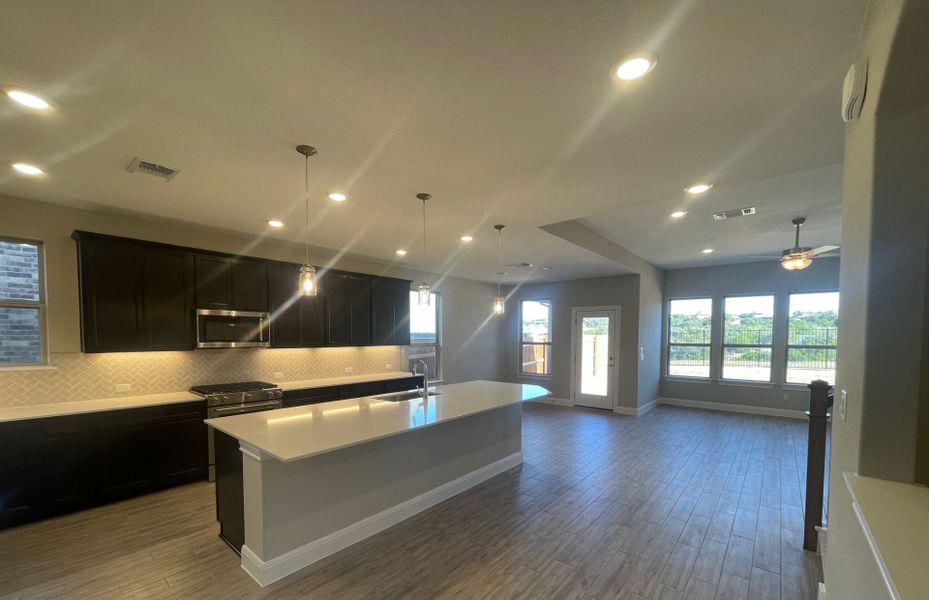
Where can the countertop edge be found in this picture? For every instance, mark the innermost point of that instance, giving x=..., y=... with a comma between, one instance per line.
x=217, y=424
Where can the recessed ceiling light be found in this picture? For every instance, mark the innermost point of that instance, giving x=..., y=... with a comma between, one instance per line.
x=27, y=99
x=467, y=238
x=546, y=268
x=678, y=214
x=27, y=169
x=401, y=252
x=275, y=223
x=635, y=65
x=698, y=188
x=707, y=251
x=338, y=197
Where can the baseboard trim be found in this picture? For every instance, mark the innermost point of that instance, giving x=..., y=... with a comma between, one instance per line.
x=266, y=572
x=635, y=411
x=552, y=400
x=738, y=408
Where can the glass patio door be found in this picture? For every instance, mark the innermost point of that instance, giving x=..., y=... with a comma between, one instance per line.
x=594, y=355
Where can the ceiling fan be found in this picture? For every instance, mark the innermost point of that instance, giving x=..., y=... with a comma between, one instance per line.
x=800, y=257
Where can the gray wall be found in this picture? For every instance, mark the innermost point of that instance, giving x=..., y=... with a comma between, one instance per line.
x=470, y=339
x=603, y=291
x=741, y=279
x=885, y=210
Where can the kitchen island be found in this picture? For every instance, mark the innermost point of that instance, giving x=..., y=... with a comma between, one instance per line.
x=298, y=484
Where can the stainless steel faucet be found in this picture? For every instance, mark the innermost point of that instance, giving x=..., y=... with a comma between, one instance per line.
x=425, y=374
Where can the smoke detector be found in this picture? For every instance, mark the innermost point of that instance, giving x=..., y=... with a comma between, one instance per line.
x=147, y=167
x=735, y=212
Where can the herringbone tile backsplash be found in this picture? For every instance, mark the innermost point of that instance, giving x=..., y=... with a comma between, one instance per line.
x=90, y=376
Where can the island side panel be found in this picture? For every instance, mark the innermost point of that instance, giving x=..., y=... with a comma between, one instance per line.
x=294, y=504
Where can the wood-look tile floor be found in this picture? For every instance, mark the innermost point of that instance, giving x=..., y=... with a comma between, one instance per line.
x=675, y=504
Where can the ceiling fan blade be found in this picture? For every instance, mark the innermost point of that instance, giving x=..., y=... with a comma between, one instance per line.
x=821, y=250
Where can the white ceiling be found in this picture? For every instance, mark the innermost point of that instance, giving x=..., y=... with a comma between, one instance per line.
x=504, y=111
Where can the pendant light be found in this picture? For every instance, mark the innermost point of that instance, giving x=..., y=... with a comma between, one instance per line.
x=307, y=282
x=499, y=303
x=425, y=296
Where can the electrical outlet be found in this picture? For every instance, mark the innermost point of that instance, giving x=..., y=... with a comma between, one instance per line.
x=349, y=369
x=278, y=375
x=785, y=396
x=843, y=403
x=123, y=387
x=389, y=366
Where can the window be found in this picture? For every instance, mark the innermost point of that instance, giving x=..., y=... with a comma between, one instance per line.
x=424, y=333
x=535, y=337
x=22, y=303
x=812, y=328
x=689, y=331
x=748, y=334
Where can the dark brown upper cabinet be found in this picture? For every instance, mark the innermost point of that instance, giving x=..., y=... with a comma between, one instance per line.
x=390, y=300
x=134, y=297
x=231, y=283
x=138, y=295
x=348, y=309
x=296, y=320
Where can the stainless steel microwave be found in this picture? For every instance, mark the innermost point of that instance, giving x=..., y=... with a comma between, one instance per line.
x=232, y=329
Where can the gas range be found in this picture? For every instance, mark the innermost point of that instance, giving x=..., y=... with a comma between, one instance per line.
x=227, y=399
x=239, y=393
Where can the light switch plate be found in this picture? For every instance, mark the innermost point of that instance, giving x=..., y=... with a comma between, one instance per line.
x=123, y=387
x=843, y=403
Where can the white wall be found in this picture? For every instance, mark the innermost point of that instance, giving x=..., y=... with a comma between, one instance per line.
x=741, y=279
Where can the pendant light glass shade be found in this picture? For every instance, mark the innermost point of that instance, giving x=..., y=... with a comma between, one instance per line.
x=308, y=283
x=425, y=294
x=499, y=305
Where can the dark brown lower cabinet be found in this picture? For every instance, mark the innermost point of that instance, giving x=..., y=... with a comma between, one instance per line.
x=57, y=465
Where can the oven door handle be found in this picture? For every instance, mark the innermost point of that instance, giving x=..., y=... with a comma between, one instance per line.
x=239, y=409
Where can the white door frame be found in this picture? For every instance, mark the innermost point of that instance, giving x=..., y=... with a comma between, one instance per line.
x=613, y=343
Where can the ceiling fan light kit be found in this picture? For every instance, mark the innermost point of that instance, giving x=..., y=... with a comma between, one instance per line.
x=799, y=258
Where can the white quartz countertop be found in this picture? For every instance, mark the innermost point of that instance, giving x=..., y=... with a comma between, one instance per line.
x=302, y=431
x=895, y=519
x=59, y=409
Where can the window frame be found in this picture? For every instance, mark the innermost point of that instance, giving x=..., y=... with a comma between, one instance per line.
x=40, y=305
x=428, y=349
x=723, y=345
x=788, y=345
x=521, y=343
x=708, y=345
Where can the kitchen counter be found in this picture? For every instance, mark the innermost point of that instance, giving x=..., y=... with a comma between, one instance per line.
x=298, y=484
x=58, y=409
x=295, y=433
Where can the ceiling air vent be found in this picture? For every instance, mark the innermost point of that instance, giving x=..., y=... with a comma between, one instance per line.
x=147, y=167
x=520, y=265
x=735, y=212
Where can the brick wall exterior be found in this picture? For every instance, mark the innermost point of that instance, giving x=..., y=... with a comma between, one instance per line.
x=20, y=330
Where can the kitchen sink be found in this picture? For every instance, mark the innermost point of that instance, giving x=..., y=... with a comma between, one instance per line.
x=399, y=396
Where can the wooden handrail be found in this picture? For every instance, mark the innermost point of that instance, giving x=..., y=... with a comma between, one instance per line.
x=819, y=413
